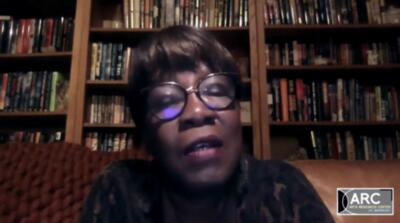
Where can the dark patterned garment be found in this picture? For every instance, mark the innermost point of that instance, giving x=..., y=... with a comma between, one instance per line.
x=267, y=191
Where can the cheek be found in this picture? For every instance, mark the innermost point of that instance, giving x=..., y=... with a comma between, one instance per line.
x=166, y=136
x=231, y=126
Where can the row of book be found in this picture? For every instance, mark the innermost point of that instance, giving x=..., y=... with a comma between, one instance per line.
x=212, y=13
x=31, y=137
x=18, y=36
x=197, y=13
x=327, y=11
x=33, y=91
x=109, y=142
x=331, y=53
x=333, y=100
x=111, y=109
x=351, y=146
x=110, y=61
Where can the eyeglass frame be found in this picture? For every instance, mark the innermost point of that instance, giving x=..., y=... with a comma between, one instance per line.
x=195, y=89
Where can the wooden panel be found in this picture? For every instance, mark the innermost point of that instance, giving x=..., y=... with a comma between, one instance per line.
x=255, y=75
x=262, y=84
x=78, y=72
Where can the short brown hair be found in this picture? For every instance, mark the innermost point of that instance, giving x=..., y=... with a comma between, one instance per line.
x=173, y=49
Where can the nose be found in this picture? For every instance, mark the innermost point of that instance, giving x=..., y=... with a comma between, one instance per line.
x=196, y=114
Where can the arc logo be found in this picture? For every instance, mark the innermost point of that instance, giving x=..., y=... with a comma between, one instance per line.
x=365, y=201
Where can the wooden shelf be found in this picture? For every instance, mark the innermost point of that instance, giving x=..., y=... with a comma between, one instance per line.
x=369, y=27
x=130, y=36
x=107, y=84
x=355, y=67
x=31, y=114
x=41, y=8
x=140, y=30
x=335, y=124
x=121, y=85
x=272, y=31
x=246, y=124
x=246, y=80
x=35, y=61
x=108, y=126
x=32, y=120
x=21, y=56
x=129, y=126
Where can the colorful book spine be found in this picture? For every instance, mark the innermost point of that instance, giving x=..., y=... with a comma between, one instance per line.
x=31, y=137
x=110, y=61
x=21, y=36
x=329, y=52
x=327, y=12
x=347, y=145
x=332, y=100
x=33, y=91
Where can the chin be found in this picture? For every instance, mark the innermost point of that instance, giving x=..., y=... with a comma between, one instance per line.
x=208, y=179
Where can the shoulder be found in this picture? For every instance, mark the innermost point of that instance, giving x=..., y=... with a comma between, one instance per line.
x=280, y=175
x=275, y=170
x=121, y=191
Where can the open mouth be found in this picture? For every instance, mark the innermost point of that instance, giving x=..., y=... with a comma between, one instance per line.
x=204, y=146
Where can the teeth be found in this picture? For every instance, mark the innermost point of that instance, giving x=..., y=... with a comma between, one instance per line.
x=202, y=146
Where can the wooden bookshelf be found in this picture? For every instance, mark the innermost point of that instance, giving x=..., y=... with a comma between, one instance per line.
x=92, y=13
x=250, y=40
x=347, y=33
x=53, y=58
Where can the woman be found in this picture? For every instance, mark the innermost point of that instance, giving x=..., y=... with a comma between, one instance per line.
x=184, y=99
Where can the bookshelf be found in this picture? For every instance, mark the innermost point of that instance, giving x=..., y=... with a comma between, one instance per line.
x=276, y=134
x=36, y=53
x=238, y=36
x=101, y=21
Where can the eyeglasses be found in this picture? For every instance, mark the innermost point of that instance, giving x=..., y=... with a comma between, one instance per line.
x=167, y=100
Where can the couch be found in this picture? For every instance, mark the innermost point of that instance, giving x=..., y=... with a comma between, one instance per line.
x=49, y=182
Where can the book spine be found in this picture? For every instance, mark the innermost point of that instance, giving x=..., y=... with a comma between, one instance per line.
x=53, y=91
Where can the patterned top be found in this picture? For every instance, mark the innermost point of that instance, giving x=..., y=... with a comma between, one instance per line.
x=267, y=191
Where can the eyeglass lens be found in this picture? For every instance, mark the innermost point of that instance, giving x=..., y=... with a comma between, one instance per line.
x=168, y=100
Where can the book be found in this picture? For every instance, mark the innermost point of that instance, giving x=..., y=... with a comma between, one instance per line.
x=43, y=136
x=108, y=109
x=331, y=52
x=347, y=145
x=325, y=11
x=332, y=100
x=21, y=36
x=110, y=142
x=109, y=61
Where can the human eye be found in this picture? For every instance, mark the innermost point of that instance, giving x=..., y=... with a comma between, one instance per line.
x=167, y=100
x=216, y=89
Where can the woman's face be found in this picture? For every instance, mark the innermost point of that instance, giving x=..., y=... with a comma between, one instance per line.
x=201, y=147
